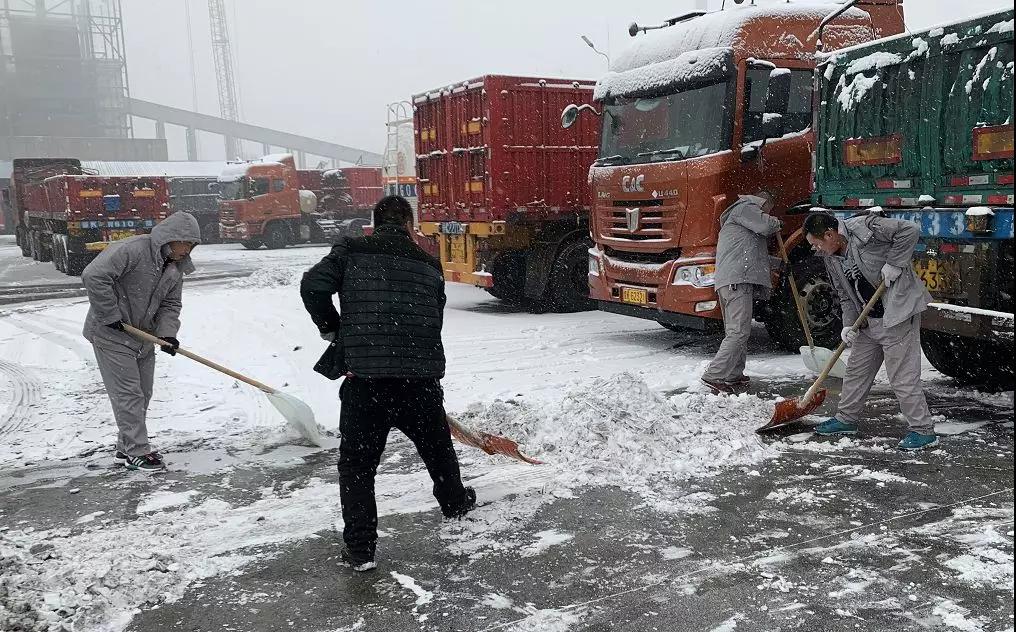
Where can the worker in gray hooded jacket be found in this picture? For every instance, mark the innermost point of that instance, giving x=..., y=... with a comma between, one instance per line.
x=138, y=282
x=742, y=274
x=860, y=253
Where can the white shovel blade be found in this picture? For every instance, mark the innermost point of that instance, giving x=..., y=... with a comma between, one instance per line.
x=298, y=414
x=815, y=359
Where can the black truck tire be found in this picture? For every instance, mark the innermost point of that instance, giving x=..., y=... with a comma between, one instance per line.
x=968, y=360
x=59, y=254
x=509, y=273
x=252, y=244
x=76, y=264
x=210, y=231
x=568, y=289
x=277, y=236
x=23, y=240
x=821, y=304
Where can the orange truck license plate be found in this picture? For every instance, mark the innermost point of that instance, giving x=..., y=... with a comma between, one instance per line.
x=634, y=295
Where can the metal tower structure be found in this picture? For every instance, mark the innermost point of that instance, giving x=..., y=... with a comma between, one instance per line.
x=223, y=55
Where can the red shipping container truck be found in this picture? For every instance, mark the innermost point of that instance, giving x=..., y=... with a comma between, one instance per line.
x=67, y=217
x=503, y=187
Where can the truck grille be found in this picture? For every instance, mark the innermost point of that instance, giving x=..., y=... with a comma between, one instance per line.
x=227, y=215
x=650, y=219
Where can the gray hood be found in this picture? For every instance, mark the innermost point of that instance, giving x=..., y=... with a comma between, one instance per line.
x=179, y=226
x=741, y=199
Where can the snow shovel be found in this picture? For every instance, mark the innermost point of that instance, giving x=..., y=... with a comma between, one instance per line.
x=790, y=410
x=814, y=357
x=297, y=413
x=489, y=443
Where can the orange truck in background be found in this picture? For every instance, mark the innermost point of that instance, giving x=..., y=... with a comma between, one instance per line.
x=689, y=122
x=269, y=202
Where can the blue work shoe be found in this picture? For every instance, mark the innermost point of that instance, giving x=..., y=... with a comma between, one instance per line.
x=916, y=441
x=834, y=426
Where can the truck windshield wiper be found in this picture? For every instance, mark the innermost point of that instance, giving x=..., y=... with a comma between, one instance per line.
x=664, y=152
x=605, y=159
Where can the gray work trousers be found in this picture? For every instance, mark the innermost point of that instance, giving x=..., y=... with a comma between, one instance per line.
x=900, y=348
x=128, y=378
x=736, y=303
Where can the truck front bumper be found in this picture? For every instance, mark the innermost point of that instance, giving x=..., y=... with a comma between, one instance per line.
x=238, y=231
x=649, y=291
x=968, y=322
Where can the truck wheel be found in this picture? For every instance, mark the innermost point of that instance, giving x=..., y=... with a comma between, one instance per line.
x=821, y=304
x=59, y=254
x=968, y=360
x=569, y=279
x=21, y=236
x=277, y=236
x=210, y=232
x=76, y=264
x=252, y=244
x=509, y=272
x=45, y=247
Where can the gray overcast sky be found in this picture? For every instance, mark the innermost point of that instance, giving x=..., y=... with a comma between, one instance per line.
x=328, y=68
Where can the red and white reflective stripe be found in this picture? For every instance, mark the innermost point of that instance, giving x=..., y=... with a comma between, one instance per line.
x=969, y=181
x=894, y=184
x=1000, y=199
x=964, y=199
x=1005, y=178
x=858, y=202
x=901, y=201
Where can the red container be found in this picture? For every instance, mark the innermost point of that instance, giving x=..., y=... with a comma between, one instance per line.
x=78, y=198
x=493, y=148
x=364, y=186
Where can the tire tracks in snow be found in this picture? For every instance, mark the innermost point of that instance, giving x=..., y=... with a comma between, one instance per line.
x=26, y=390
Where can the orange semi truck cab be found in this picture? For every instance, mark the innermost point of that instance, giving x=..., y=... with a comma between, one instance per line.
x=685, y=130
x=270, y=202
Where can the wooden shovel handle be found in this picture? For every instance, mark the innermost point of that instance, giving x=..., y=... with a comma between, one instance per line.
x=801, y=314
x=147, y=337
x=840, y=349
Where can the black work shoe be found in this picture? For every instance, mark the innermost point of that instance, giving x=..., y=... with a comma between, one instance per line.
x=717, y=387
x=151, y=462
x=119, y=458
x=359, y=562
x=468, y=504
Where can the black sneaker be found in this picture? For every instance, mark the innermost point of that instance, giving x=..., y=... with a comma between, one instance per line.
x=119, y=458
x=468, y=504
x=151, y=462
x=359, y=562
x=717, y=387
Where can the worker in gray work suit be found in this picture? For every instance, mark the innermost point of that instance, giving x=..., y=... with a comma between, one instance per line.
x=743, y=273
x=860, y=253
x=138, y=282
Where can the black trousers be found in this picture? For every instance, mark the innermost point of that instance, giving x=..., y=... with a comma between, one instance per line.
x=370, y=409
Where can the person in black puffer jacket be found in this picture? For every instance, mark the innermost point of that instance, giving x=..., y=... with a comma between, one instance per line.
x=391, y=297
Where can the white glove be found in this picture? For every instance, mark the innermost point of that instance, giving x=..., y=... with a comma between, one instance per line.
x=848, y=335
x=890, y=274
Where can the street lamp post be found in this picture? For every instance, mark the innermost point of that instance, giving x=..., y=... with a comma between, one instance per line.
x=590, y=44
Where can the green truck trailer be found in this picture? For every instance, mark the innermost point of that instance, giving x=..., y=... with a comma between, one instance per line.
x=919, y=127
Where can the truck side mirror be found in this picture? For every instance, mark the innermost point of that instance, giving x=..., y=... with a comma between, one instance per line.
x=569, y=115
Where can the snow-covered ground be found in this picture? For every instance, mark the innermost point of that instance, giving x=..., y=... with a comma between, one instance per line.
x=606, y=401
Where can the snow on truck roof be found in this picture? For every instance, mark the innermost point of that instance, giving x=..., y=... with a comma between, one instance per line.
x=236, y=170
x=701, y=44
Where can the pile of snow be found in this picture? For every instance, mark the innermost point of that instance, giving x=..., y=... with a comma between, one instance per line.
x=275, y=276
x=618, y=431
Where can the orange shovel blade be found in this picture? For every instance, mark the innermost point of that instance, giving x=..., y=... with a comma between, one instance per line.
x=790, y=410
x=489, y=443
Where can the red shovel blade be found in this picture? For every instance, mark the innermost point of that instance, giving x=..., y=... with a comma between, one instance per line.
x=790, y=410
x=489, y=443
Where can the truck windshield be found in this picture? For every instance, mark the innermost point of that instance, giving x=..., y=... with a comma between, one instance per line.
x=233, y=190
x=687, y=124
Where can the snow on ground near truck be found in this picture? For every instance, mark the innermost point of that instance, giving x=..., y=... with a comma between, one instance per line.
x=606, y=401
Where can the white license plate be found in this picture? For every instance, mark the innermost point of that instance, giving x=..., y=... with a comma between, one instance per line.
x=453, y=228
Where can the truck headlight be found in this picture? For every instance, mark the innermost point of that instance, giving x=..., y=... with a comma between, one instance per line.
x=699, y=276
x=594, y=263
